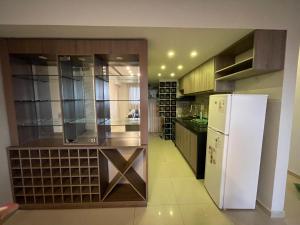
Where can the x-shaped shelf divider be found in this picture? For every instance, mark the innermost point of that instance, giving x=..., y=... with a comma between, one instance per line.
x=125, y=170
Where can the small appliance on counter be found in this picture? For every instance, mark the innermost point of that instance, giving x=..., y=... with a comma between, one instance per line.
x=233, y=152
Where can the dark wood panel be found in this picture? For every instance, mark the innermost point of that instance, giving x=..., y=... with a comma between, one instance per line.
x=93, y=46
x=116, y=158
x=143, y=56
x=269, y=48
x=8, y=91
x=137, y=182
x=59, y=46
x=123, y=192
x=25, y=46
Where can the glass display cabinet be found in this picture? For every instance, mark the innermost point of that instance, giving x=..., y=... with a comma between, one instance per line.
x=77, y=116
x=78, y=99
x=118, y=99
x=37, y=99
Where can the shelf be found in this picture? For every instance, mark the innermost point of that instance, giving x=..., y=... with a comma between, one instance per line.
x=37, y=100
x=40, y=123
x=123, y=192
x=125, y=122
x=265, y=52
x=125, y=170
x=137, y=182
x=240, y=75
x=237, y=67
x=122, y=142
x=122, y=100
x=36, y=77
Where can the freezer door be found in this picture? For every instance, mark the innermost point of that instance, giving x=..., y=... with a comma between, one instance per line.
x=219, y=112
x=215, y=165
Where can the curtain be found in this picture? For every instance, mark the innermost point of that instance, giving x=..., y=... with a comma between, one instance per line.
x=134, y=94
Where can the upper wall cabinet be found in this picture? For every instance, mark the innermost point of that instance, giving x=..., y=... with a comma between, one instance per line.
x=201, y=79
x=260, y=52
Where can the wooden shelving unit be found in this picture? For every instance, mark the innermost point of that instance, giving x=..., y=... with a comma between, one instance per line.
x=167, y=107
x=63, y=129
x=136, y=186
x=260, y=52
x=236, y=67
x=42, y=176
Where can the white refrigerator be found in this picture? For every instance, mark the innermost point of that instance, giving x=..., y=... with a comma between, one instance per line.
x=234, y=143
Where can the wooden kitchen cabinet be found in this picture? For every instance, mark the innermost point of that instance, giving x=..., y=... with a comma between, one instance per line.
x=192, y=146
x=193, y=150
x=186, y=148
x=201, y=79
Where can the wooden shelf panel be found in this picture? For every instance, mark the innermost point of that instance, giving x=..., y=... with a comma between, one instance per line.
x=112, y=184
x=240, y=75
x=53, y=176
x=123, y=192
x=115, y=158
x=125, y=170
x=137, y=182
x=237, y=67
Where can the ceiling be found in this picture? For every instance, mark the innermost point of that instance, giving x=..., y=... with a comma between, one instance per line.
x=206, y=42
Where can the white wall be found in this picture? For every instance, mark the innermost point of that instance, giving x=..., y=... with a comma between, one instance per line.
x=270, y=84
x=275, y=14
x=5, y=188
x=294, y=164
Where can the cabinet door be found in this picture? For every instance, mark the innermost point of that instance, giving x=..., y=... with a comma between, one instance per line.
x=186, y=147
x=185, y=85
x=177, y=134
x=210, y=75
x=197, y=81
x=193, y=151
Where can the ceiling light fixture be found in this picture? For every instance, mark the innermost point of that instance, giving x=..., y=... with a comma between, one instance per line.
x=138, y=74
x=159, y=74
x=43, y=57
x=81, y=59
x=179, y=67
x=128, y=67
x=163, y=67
x=119, y=58
x=171, y=54
x=193, y=54
x=172, y=74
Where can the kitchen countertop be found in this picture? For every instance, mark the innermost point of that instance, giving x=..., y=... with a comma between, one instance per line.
x=192, y=126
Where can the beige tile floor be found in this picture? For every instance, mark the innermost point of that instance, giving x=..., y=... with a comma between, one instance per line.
x=175, y=198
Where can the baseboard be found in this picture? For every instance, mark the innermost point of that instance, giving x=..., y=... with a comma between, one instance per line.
x=293, y=174
x=270, y=213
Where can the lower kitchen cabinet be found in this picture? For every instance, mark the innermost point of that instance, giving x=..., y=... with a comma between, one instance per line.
x=192, y=146
x=193, y=150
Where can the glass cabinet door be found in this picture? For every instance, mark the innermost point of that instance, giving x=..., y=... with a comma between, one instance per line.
x=117, y=83
x=37, y=99
x=78, y=99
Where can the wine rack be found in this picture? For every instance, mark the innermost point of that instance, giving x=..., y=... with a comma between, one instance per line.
x=167, y=107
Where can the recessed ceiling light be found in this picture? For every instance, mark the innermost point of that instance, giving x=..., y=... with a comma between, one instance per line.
x=138, y=74
x=163, y=67
x=128, y=67
x=171, y=54
x=180, y=67
x=172, y=74
x=193, y=54
x=81, y=59
x=159, y=74
x=43, y=57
